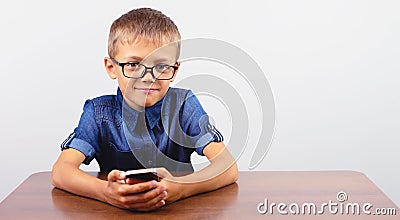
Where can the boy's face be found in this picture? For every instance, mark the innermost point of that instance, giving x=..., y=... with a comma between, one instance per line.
x=145, y=91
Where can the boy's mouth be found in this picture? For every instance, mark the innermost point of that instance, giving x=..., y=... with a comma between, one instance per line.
x=146, y=90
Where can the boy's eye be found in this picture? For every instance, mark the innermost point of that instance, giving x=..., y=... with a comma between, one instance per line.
x=132, y=66
x=161, y=67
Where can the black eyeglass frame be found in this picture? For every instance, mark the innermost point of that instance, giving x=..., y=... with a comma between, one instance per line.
x=145, y=70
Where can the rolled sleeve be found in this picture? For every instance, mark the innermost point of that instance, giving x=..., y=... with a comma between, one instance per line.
x=85, y=136
x=211, y=135
x=197, y=124
x=81, y=145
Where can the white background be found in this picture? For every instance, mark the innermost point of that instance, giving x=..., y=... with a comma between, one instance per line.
x=333, y=67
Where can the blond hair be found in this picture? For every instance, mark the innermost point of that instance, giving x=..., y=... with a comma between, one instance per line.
x=142, y=24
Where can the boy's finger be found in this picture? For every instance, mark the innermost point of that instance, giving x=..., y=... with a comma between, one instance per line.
x=140, y=187
x=116, y=176
x=152, y=204
x=146, y=199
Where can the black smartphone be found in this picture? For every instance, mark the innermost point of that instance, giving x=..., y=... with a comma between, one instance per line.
x=143, y=175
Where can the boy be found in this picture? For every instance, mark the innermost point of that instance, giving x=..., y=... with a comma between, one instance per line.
x=147, y=124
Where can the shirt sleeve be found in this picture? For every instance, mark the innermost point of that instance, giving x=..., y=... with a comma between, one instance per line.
x=85, y=136
x=195, y=122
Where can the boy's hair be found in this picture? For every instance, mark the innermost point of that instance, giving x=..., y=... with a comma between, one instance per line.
x=142, y=24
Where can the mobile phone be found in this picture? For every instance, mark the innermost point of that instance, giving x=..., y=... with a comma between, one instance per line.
x=142, y=175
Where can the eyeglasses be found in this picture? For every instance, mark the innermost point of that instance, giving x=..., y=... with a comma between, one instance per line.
x=138, y=70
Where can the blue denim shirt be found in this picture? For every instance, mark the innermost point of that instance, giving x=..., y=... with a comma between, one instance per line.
x=163, y=135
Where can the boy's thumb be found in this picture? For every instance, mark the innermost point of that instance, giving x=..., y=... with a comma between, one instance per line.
x=116, y=175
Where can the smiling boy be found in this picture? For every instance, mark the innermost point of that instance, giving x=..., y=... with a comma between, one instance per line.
x=147, y=124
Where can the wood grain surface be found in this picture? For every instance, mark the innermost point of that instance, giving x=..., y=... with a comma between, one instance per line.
x=36, y=198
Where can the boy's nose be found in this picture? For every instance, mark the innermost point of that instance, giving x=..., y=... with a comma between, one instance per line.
x=148, y=76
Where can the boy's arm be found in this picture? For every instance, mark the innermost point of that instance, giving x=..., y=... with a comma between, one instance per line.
x=221, y=172
x=66, y=175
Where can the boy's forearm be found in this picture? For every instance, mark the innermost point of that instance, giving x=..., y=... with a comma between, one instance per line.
x=208, y=183
x=221, y=172
x=70, y=178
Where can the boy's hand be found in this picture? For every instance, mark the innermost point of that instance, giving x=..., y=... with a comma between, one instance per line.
x=171, y=183
x=144, y=196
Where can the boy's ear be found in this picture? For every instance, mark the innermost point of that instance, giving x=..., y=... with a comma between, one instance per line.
x=176, y=71
x=110, y=68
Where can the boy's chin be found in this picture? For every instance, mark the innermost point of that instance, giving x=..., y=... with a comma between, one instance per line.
x=140, y=104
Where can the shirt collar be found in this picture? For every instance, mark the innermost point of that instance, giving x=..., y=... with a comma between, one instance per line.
x=153, y=113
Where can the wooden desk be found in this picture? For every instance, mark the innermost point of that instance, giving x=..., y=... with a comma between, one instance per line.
x=36, y=198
